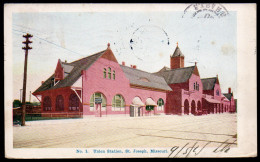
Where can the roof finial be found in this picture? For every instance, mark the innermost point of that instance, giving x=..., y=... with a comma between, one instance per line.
x=177, y=44
x=108, y=45
x=195, y=63
x=217, y=75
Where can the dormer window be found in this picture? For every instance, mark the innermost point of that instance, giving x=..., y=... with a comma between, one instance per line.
x=53, y=82
x=144, y=79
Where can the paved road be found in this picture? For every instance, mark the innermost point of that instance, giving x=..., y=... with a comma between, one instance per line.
x=119, y=132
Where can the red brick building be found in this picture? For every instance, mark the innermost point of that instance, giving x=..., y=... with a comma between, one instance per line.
x=98, y=85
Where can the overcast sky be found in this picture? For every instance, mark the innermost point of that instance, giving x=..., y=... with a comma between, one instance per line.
x=145, y=39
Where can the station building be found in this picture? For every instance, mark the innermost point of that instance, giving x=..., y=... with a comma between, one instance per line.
x=98, y=85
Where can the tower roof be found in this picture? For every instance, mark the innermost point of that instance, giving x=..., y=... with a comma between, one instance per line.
x=177, y=52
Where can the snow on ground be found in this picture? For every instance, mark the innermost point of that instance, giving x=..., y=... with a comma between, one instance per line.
x=124, y=131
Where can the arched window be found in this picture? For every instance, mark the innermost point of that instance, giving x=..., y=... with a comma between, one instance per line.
x=118, y=103
x=198, y=87
x=73, y=102
x=59, y=103
x=92, y=101
x=114, y=75
x=109, y=73
x=160, y=105
x=105, y=73
x=47, y=103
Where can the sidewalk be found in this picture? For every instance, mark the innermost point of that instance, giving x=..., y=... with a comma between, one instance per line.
x=90, y=119
x=113, y=118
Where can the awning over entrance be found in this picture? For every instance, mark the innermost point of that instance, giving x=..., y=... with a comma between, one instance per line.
x=137, y=101
x=150, y=101
x=212, y=100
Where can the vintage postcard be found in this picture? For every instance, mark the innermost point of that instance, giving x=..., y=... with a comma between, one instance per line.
x=130, y=80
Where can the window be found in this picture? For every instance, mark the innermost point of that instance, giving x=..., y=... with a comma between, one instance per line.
x=105, y=73
x=92, y=101
x=59, y=103
x=114, y=75
x=118, y=103
x=217, y=92
x=109, y=73
x=149, y=107
x=73, y=102
x=198, y=87
x=47, y=103
x=160, y=105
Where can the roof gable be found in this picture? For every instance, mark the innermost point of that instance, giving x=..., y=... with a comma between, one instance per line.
x=109, y=55
x=228, y=96
x=196, y=71
x=74, y=69
x=59, y=74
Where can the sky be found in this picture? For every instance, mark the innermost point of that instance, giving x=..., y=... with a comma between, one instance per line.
x=144, y=39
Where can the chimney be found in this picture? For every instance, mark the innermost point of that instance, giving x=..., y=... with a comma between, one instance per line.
x=42, y=82
x=131, y=66
x=123, y=63
x=65, y=61
x=134, y=66
x=229, y=90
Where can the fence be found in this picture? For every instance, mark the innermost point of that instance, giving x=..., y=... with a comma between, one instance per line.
x=46, y=116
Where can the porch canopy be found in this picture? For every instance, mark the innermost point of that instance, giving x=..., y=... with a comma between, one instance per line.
x=137, y=102
x=150, y=101
x=210, y=100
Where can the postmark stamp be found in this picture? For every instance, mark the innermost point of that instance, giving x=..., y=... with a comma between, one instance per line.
x=145, y=35
x=208, y=11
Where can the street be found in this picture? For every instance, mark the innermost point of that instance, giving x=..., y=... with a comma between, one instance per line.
x=125, y=131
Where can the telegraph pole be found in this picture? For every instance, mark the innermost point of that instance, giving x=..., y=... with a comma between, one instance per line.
x=26, y=48
x=30, y=97
x=21, y=95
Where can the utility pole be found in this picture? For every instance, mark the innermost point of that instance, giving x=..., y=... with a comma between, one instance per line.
x=26, y=48
x=30, y=97
x=21, y=95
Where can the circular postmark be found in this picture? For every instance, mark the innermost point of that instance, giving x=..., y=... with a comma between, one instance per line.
x=146, y=41
x=207, y=11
